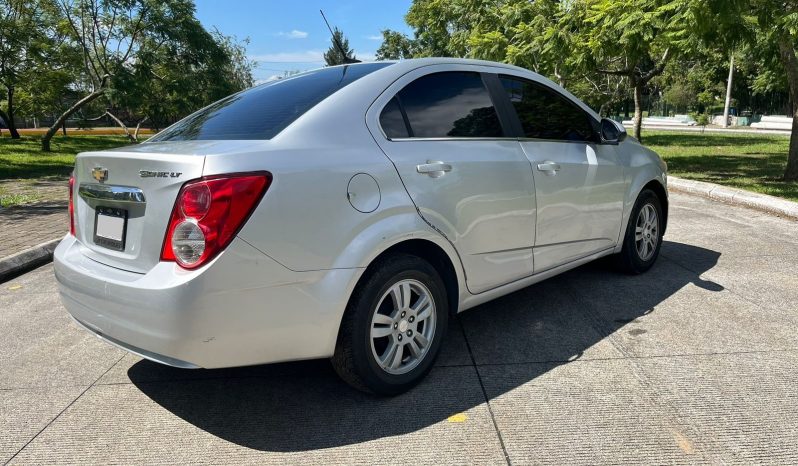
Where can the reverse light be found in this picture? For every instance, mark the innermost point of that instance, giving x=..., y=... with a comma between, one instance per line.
x=72, y=204
x=207, y=215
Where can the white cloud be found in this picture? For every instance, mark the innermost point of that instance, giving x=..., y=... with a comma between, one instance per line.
x=375, y=37
x=294, y=34
x=307, y=56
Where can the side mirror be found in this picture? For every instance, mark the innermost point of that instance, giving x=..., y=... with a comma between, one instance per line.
x=612, y=132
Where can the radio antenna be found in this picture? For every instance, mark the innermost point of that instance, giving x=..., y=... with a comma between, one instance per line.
x=347, y=60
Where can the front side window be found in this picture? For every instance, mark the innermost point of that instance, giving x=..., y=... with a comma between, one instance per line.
x=545, y=114
x=448, y=104
x=263, y=111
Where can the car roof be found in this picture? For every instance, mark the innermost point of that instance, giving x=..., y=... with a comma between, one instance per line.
x=404, y=65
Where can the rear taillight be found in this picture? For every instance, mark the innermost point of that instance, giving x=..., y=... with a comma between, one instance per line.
x=207, y=215
x=72, y=204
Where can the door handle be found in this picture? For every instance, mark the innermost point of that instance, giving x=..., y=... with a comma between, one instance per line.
x=434, y=169
x=550, y=168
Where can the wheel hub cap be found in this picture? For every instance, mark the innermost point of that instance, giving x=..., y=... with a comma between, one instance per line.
x=403, y=326
x=646, y=232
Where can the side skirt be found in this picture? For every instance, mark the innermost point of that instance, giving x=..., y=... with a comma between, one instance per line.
x=475, y=300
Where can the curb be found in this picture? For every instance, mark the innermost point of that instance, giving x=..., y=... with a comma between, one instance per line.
x=28, y=259
x=733, y=196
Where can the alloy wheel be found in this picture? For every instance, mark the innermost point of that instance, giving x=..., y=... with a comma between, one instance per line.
x=646, y=232
x=403, y=326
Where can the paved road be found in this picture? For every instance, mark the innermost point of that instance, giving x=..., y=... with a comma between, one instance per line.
x=694, y=362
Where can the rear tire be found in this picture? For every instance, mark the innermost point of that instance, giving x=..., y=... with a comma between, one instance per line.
x=393, y=326
x=643, y=238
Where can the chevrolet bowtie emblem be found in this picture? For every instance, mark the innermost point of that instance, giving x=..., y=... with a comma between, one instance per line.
x=100, y=174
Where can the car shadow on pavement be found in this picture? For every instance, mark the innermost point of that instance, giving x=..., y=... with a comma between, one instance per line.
x=304, y=406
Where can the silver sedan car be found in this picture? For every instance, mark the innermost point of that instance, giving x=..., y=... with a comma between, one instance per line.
x=347, y=213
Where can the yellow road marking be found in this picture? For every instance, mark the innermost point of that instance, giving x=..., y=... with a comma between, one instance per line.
x=684, y=443
x=459, y=417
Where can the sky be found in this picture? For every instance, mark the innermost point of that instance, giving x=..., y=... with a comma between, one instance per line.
x=290, y=35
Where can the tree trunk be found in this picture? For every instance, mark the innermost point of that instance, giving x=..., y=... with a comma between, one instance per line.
x=4, y=116
x=138, y=127
x=728, y=93
x=9, y=118
x=638, y=109
x=62, y=119
x=119, y=122
x=603, y=109
x=790, y=63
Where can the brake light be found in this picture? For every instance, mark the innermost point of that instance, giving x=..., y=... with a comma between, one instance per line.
x=72, y=204
x=207, y=215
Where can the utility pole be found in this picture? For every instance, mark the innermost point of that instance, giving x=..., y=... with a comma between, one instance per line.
x=728, y=92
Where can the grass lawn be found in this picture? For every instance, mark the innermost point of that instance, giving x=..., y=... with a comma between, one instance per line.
x=754, y=162
x=26, y=173
x=748, y=161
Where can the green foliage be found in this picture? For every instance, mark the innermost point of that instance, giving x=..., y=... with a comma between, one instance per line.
x=339, y=52
x=140, y=59
x=395, y=46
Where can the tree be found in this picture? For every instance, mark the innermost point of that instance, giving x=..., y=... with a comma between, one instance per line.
x=629, y=38
x=334, y=56
x=395, y=46
x=115, y=36
x=27, y=42
x=108, y=34
x=772, y=22
x=180, y=76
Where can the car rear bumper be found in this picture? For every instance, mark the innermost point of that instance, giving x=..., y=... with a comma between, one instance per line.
x=242, y=308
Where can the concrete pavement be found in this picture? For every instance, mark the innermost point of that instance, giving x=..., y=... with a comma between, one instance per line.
x=693, y=362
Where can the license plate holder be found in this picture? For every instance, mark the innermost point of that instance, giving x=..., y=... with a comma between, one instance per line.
x=110, y=226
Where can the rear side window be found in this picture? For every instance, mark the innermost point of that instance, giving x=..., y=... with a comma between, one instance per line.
x=449, y=104
x=392, y=120
x=263, y=111
x=545, y=114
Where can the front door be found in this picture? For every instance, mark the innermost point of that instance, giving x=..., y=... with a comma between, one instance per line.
x=578, y=181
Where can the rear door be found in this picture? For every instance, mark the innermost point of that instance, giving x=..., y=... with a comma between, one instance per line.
x=579, y=181
x=472, y=183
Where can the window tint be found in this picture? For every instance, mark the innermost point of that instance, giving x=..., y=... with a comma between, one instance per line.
x=264, y=111
x=545, y=114
x=392, y=121
x=450, y=104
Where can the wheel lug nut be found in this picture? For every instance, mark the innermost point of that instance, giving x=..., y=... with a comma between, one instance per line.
x=400, y=337
x=403, y=313
x=410, y=333
x=412, y=319
x=395, y=325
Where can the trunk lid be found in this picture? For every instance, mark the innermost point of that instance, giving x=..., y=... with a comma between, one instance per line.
x=132, y=191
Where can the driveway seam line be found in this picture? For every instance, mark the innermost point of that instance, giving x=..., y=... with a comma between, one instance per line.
x=62, y=411
x=484, y=393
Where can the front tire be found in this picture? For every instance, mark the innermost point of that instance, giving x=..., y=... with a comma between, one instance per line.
x=643, y=238
x=393, y=326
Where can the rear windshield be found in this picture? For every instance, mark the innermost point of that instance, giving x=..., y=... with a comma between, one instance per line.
x=263, y=111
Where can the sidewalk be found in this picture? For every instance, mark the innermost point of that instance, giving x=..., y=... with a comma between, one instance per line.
x=28, y=235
